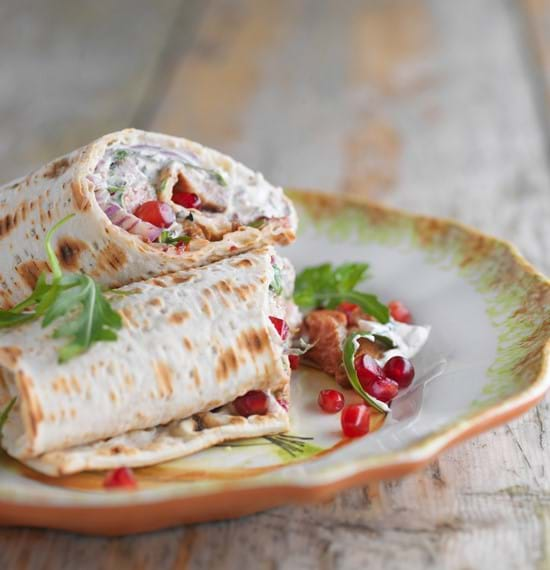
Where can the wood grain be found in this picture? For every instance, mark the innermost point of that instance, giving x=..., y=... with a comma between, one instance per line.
x=432, y=106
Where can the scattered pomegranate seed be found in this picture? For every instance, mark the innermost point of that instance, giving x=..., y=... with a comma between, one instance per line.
x=400, y=369
x=294, y=360
x=355, y=420
x=120, y=477
x=368, y=370
x=384, y=390
x=351, y=310
x=281, y=326
x=330, y=401
x=155, y=212
x=187, y=200
x=233, y=248
x=253, y=403
x=399, y=312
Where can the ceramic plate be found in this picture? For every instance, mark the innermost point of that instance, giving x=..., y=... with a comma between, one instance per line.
x=485, y=362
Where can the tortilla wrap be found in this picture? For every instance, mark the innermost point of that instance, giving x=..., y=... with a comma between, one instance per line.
x=192, y=342
x=105, y=182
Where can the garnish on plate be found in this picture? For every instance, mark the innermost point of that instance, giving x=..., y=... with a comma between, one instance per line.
x=88, y=315
x=325, y=286
x=5, y=413
x=166, y=238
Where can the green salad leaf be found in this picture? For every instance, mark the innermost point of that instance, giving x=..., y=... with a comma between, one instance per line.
x=276, y=284
x=325, y=286
x=5, y=413
x=165, y=237
x=351, y=345
x=87, y=315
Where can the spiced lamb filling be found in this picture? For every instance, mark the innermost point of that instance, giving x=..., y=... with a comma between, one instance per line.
x=173, y=197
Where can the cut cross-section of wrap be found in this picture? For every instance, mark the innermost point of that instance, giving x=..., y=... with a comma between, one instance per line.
x=192, y=342
x=146, y=204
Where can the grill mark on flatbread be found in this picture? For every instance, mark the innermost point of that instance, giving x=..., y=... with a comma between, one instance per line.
x=35, y=413
x=187, y=343
x=159, y=282
x=178, y=279
x=30, y=271
x=155, y=302
x=9, y=356
x=57, y=168
x=253, y=341
x=128, y=317
x=242, y=263
x=80, y=200
x=75, y=385
x=68, y=252
x=244, y=291
x=207, y=309
x=226, y=364
x=163, y=375
x=111, y=258
x=195, y=374
x=178, y=317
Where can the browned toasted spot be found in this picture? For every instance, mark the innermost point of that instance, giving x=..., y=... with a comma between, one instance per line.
x=242, y=263
x=159, y=282
x=224, y=286
x=110, y=259
x=255, y=341
x=163, y=374
x=6, y=225
x=30, y=402
x=128, y=380
x=178, y=317
x=226, y=364
x=57, y=168
x=128, y=317
x=64, y=385
x=208, y=293
x=113, y=395
x=196, y=376
x=245, y=291
x=9, y=355
x=177, y=278
x=75, y=384
x=69, y=250
x=52, y=417
x=207, y=309
x=187, y=343
x=80, y=199
x=31, y=270
x=155, y=302
x=73, y=413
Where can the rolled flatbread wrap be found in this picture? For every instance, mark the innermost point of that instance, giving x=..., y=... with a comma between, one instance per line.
x=191, y=343
x=145, y=204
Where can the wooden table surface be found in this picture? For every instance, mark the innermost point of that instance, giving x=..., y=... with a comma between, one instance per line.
x=438, y=106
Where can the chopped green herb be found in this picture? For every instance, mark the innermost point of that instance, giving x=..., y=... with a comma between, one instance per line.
x=258, y=224
x=89, y=317
x=165, y=237
x=5, y=413
x=385, y=341
x=351, y=345
x=276, y=284
x=118, y=157
x=116, y=193
x=326, y=287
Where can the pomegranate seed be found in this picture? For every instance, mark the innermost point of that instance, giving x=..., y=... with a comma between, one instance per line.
x=400, y=369
x=294, y=360
x=330, y=401
x=187, y=199
x=253, y=403
x=368, y=370
x=155, y=212
x=120, y=477
x=281, y=326
x=384, y=390
x=355, y=420
x=399, y=312
x=351, y=310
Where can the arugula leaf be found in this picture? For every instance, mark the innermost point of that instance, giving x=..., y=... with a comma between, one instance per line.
x=351, y=345
x=5, y=413
x=326, y=287
x=276, y=284
x=258, y=224
x=165, y=237
x=88, y=315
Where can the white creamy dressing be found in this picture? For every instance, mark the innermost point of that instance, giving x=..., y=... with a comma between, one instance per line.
x=408, y=339
x=231, y=194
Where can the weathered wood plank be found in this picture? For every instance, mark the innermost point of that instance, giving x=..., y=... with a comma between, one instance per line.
x=424, y=104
